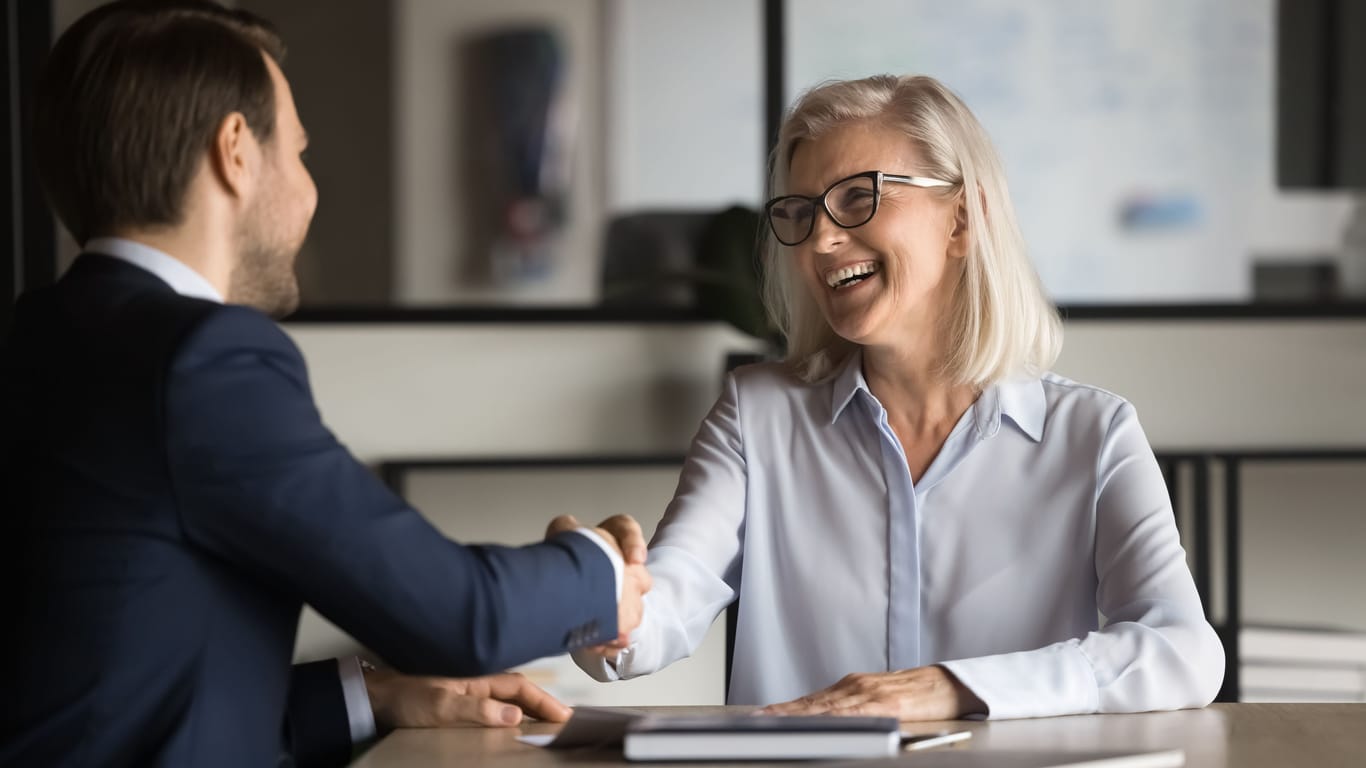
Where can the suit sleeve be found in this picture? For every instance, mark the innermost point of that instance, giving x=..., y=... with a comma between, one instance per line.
x=316, y=731
x=265, y=486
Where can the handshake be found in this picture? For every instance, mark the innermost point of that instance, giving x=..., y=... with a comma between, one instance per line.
x=404, y=701
x=622, y=533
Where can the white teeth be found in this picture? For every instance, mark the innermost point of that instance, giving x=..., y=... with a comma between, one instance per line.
x=840, y=275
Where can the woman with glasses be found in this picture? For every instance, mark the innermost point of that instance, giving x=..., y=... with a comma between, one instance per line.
x=916, y=517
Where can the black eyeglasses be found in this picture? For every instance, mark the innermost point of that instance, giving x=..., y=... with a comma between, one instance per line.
x=850, y=202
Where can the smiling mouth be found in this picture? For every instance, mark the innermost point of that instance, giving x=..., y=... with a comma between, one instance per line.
x=851, y=275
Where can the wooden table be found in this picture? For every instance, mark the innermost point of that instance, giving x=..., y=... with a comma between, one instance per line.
x=1232, y=735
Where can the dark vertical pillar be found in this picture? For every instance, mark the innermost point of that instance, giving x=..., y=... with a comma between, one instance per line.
x=1203, y=535
x=1170, y=467
x=1329, y=57
x=1319, y=109
x=732, y=624
x=30, y=238
x=1232, y=578
x=1348, y=79
x=775, y=66
x=13, y=211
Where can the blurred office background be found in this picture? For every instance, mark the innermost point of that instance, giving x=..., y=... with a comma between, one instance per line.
x=510, y=289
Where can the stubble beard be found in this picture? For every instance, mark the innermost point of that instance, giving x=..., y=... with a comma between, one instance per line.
x=263, y=277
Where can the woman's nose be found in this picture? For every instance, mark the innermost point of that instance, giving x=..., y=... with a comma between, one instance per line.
x=826, y=235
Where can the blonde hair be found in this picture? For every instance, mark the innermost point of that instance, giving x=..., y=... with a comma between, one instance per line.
x=1000, y=323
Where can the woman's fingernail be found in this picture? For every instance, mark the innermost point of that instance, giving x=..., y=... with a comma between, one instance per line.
x=511, y=715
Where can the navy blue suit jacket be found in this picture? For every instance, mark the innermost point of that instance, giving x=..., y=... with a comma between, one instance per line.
x=173, y=499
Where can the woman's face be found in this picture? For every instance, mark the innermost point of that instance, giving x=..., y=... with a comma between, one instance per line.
x=913, y=244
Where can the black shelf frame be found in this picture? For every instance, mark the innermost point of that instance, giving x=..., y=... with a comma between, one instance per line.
x=599, y=315
x=1228, y=463
x=394, y=472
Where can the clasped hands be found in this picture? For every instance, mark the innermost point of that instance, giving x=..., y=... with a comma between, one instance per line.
x=410, y=701
x=624, y=534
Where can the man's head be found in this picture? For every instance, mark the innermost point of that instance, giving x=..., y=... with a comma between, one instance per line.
x=150, y=113
x=281, y=200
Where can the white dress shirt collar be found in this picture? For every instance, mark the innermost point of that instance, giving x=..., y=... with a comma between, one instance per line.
x=847, y=383
x=177, y=274
x=1021, y=400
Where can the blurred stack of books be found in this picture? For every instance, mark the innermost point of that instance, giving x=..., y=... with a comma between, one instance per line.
x=1302, y=664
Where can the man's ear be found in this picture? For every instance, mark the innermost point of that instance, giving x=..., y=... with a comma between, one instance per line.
x=235, y=156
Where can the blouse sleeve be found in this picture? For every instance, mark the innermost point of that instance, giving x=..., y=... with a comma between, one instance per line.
x=1156, y=650
x=694, y=558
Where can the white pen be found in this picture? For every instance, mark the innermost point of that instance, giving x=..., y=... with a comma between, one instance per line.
x=912, y=742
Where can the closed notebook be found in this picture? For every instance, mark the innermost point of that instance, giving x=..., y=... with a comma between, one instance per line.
x=995, y=758
x=759, y=737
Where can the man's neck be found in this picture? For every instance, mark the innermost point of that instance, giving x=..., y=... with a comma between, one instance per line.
x=212, y=263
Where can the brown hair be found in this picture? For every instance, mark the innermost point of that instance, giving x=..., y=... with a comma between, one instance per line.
x=130, y=99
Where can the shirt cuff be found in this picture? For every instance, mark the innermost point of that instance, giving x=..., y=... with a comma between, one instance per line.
x=618, y=566
x=358, y=712
x=1053, y=680
x=597, y=667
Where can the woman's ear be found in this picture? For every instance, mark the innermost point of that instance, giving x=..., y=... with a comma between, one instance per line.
x=235, y=156
x=959, y=236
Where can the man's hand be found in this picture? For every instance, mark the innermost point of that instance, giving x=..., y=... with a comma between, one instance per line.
x=405, y=701
x=922, y=693
x=623, y=533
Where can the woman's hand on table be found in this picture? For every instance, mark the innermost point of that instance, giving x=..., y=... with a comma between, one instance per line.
x=922, y=693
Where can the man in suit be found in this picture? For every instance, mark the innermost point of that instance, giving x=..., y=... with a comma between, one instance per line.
x=173, y=496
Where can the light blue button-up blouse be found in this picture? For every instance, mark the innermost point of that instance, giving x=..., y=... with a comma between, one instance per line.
x=1037, y=558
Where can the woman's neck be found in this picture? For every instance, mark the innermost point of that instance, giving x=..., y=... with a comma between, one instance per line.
x=913, y=390
x=923, y=405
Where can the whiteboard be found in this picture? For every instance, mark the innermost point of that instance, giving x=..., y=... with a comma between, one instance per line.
x=1137, y=135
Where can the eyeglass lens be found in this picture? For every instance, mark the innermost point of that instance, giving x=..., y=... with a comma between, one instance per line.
x=850, y=203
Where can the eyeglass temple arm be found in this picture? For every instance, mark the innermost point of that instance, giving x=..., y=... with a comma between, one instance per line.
x=917, y=181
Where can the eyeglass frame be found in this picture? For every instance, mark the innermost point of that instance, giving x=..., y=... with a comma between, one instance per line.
x=818, y=201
